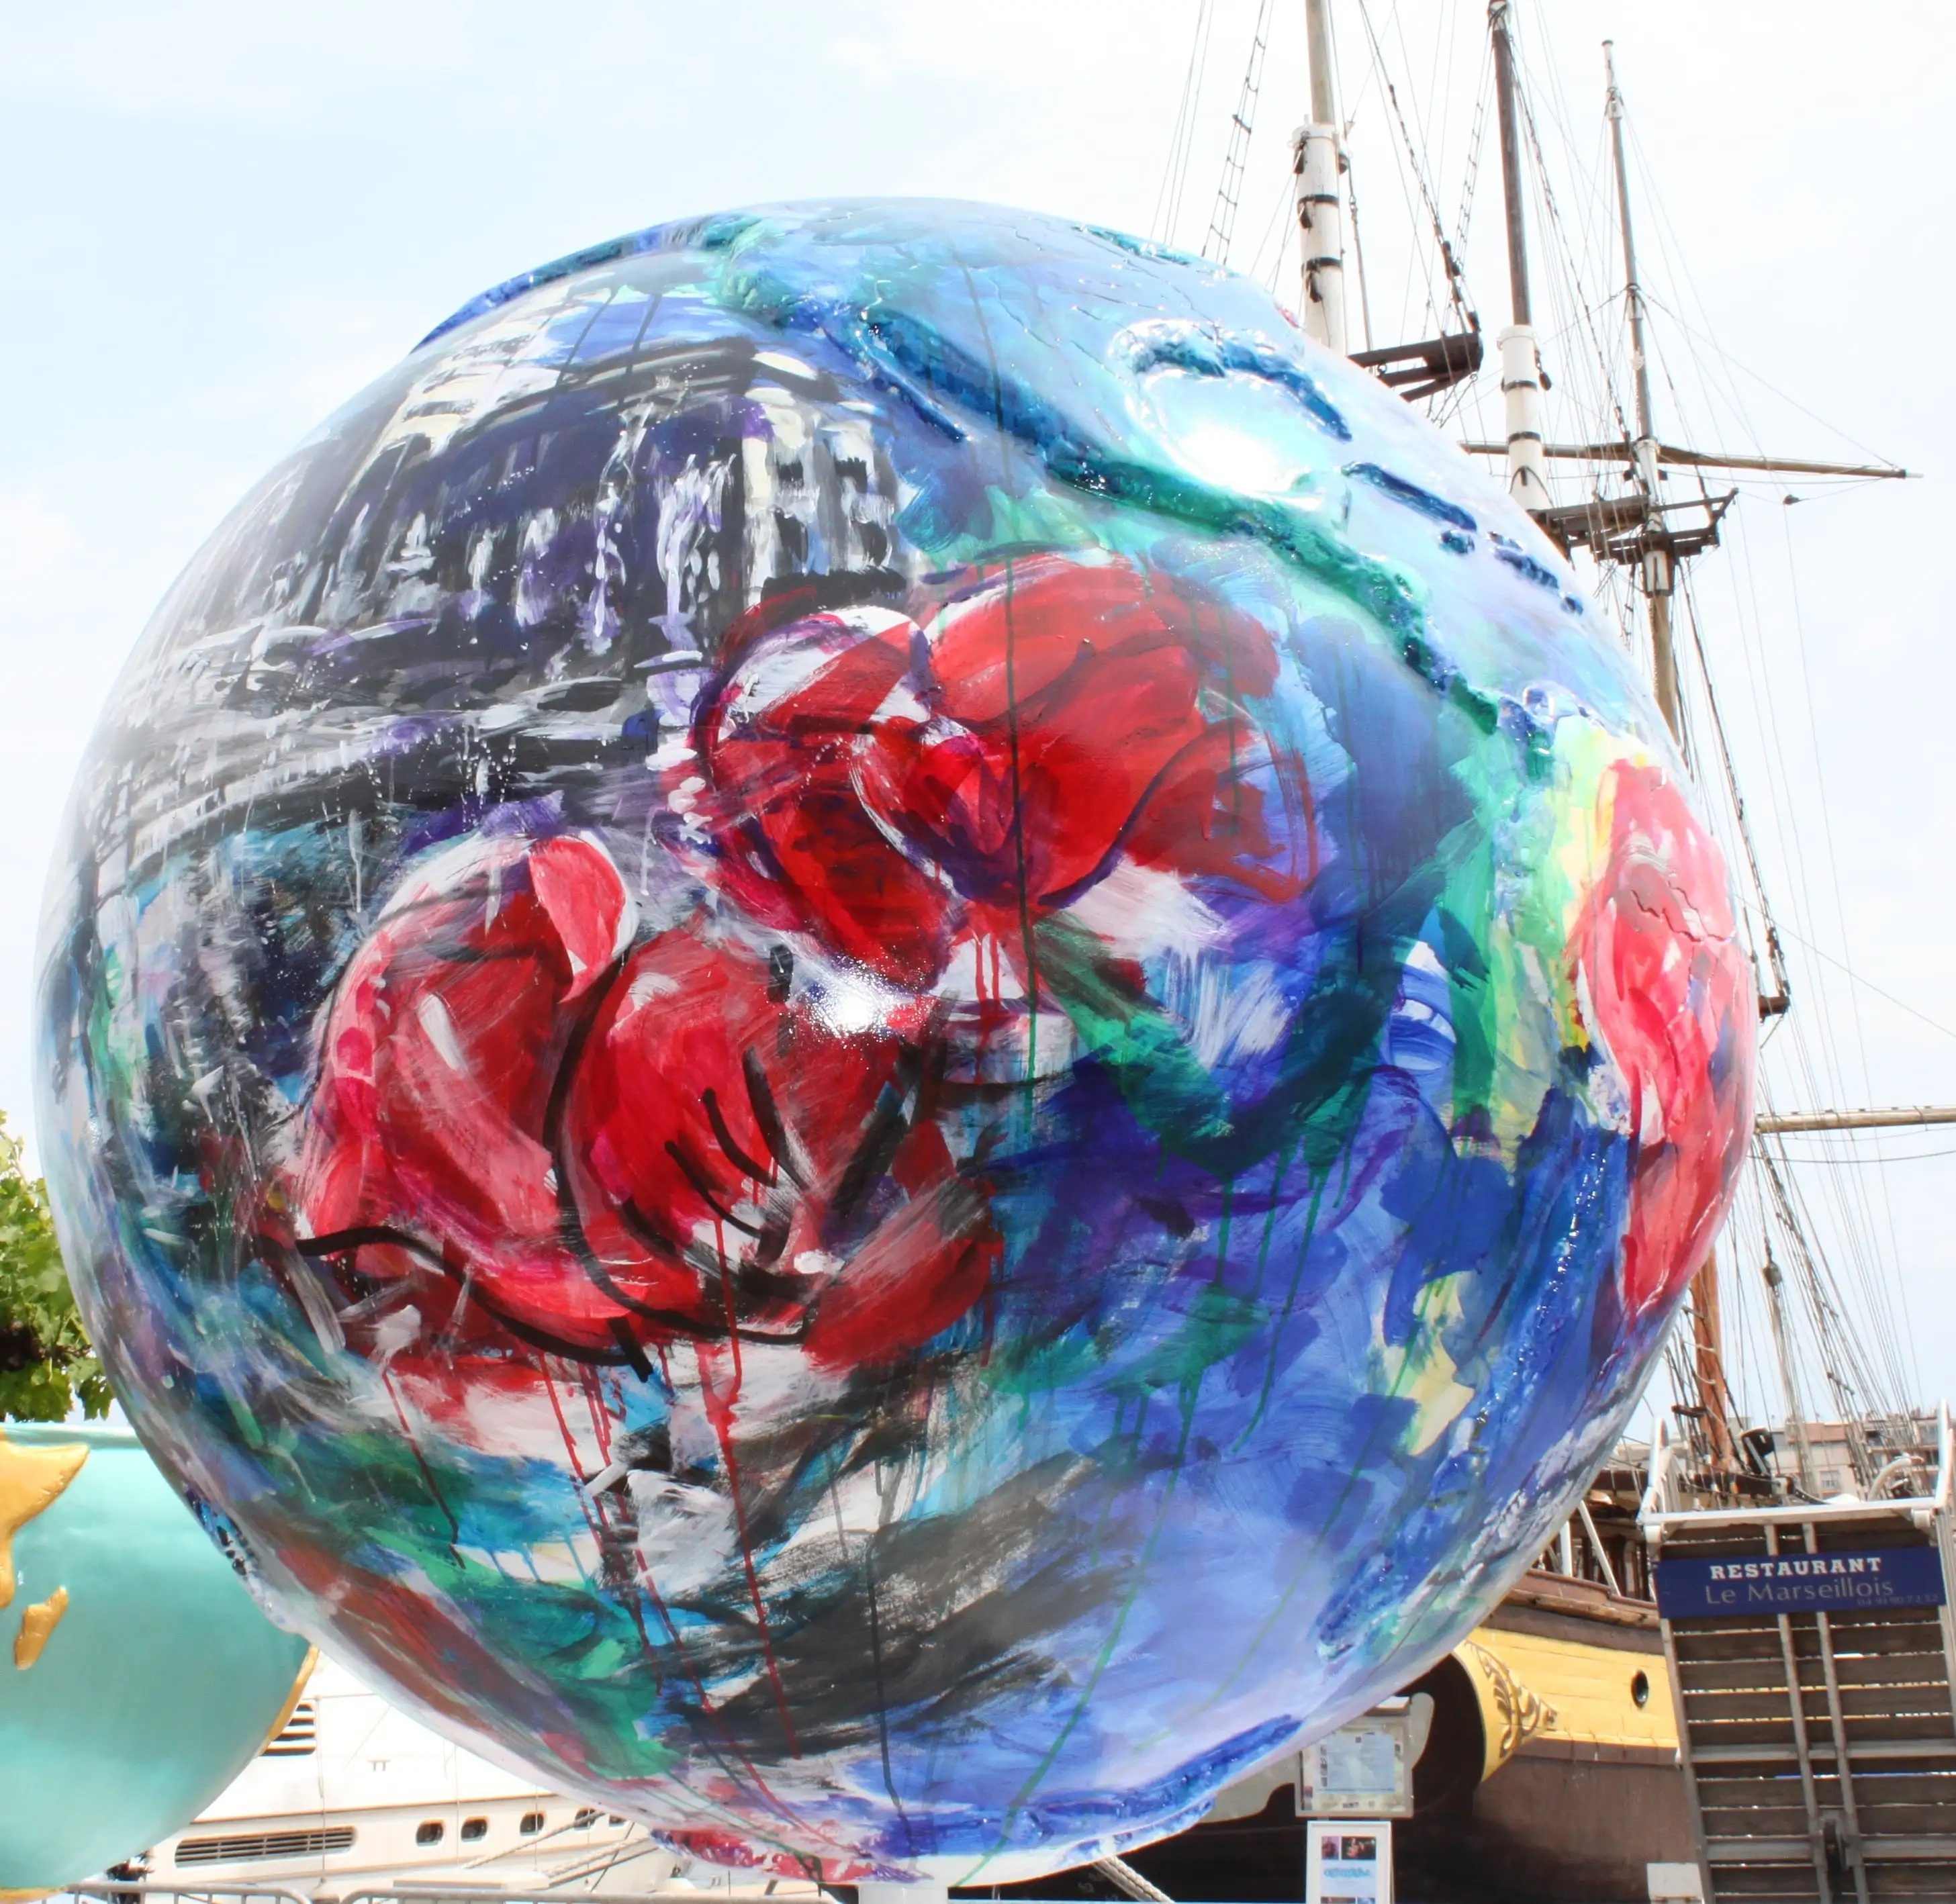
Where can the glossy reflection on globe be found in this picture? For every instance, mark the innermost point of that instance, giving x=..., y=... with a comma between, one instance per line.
x=878, y=1029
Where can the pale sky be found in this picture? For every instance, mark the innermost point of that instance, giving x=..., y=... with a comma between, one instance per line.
x=222, y=219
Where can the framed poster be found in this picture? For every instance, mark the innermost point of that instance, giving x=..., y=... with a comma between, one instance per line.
x=1349, y=1860
x=1362, y=1769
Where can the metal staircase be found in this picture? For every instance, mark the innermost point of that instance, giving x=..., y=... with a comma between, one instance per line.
x=1811, y=1654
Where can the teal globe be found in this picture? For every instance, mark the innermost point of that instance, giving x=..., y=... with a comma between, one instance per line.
x=137, y=1675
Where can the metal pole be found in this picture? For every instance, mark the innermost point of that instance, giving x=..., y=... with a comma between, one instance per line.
x=1670, y=454
x=1664, y=649
x=1521, y=366
x=1708, y=1341
x=1597, y=1547
x=1316, y=160
x=1657, y=565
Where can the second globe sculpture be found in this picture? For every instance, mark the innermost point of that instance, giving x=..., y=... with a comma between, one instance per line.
x=874, y=1028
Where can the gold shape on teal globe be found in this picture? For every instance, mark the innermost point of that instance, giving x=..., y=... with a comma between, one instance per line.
x=31, y=1479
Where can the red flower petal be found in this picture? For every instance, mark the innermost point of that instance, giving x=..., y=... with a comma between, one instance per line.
x=863, y=779
x=865, y=898
x=438, y=1059
x=732, y=1156
x=922, y=1271
x=1673, y=998
x=1006, y=644
x=1203, y=815
x=1090, y=750
x=795, y=846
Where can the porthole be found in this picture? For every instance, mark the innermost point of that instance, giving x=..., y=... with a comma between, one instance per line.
x=615, y=1818
x=531, y=1823
x=1640, y=1687
x=586, y=1817
x=473, y=1829
x=428, y=1832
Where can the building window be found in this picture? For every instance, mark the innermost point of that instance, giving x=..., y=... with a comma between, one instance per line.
x=532, y=1823
x=473, y=1829
x=587, y=1816
x=428, y=1832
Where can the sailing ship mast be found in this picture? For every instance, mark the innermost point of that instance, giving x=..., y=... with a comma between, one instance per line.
x=1317, y=158
x=1729, y=1476
x=1521, y=364
x=1656, y=577
x=1315, y=150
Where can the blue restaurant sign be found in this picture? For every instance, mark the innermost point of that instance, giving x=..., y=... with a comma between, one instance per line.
x=1797, y=1583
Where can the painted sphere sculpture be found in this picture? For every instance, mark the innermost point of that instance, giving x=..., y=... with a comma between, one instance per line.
x=878, y=1029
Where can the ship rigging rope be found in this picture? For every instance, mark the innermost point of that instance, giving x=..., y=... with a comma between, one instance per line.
x=1376, y=71
x=1483, y=93
x=1902, y=1005
x=1358, y=258
x=1862, y=1263
x=1857, y=1181
x=1827, y=1155
x=1857, y=1219
x=1278, y=228
x=1217, y=240
x=1349, y=114
x=1848, y=1373
x=1837, y=1357
x=1731, y=363
x=1775, y=957
x=1457, y=297
x=1886, y=1308
x=1882, y=1298
x=1175, y=177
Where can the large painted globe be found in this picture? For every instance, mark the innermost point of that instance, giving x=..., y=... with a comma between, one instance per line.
x=880, y=1032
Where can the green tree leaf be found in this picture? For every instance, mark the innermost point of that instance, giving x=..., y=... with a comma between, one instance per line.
x=46, y=1360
